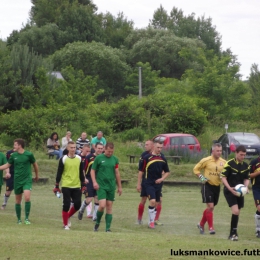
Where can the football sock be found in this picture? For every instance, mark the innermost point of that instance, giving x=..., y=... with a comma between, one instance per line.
x=27, y=209
x=234, y=222
x=158, y=211
x=18, y=211
x=257, y=221
x=6, y=199
x=99, y=216
x=151, y=211
x=71, y=211
x=95, y=210
x=140, y=211
x=209, y=216
x=89, y=209
x=204, y=218
x=108, y=218
x=65, y=217
x=83, y=206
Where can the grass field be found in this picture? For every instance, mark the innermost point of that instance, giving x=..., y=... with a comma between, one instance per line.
x=182, y=208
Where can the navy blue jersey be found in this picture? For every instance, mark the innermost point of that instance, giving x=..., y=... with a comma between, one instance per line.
x=11, y=169
x=255, y=167
x=88, y=164
x=153, y=166
x=141, y=160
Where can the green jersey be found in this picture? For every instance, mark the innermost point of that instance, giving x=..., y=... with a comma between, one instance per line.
x=2, y=161
x=95, y=140
x=105, y=171
x=22, y=166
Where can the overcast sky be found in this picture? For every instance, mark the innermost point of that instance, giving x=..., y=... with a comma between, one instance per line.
x=237, y=21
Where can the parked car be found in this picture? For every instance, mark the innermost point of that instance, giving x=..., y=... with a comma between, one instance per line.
x=230, y=141
x=179, y=141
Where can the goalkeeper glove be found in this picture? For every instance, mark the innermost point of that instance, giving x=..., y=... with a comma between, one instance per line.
x=202, y=178
x=56, y=188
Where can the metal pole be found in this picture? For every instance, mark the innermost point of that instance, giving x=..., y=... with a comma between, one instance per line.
x=140, y=82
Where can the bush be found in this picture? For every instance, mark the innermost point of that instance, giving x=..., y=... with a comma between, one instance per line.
x=135, y=134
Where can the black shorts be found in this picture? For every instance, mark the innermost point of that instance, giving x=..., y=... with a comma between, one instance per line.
x=153, y=191
x=210, y=193
x=143, y=191
x=233, y=200
x=256, y=194
x=9, y=184
x=91, y=192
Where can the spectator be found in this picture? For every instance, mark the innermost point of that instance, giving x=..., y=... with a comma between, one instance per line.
x=98, y=139
x=53, y=145
x=64, y=141
x=81, y=141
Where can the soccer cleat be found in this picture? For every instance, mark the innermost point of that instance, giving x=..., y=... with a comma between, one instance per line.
x=233, y=237
x=27, y=222
x=69, y=223
x=19, y=222
x=3, y=206
x=66, y=227
x=151, y=225
x=212, y=231
x=96, y=227
x=158, y=223
x=94, y=219
x=257, y=234
x=80, y=215
x=139, y=222
x=108, y=230
x=89, y=216
x=200, y=228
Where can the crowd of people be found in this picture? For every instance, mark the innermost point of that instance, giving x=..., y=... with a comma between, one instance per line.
x=90, y=168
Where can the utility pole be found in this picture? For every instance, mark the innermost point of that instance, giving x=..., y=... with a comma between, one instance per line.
x=140, y=82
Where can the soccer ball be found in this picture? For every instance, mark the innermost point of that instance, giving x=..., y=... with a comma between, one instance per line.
x=241, y=190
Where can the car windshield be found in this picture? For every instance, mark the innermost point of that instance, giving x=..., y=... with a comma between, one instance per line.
x=247, y=139
x=183, y=140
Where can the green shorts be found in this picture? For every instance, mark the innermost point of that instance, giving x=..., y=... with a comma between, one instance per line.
x=20, y=188
x=106, y=194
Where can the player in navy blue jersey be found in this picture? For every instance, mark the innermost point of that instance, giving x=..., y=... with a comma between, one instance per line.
x=9, y=181
x=90, y=191
x=150, y=174
x=255, y=180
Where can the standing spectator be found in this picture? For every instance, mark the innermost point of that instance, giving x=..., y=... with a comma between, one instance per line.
x=235, y=172
x=105, y=174
x=9, y=180
x=81, y=141
x=212, y=167
x=98, y=139
x=255, y=180
x=153, y=165
x=22, y=160
x=53, y=145
x=70, y=173
x=64, y=141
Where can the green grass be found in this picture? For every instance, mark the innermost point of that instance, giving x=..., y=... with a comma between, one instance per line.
x=182, y=209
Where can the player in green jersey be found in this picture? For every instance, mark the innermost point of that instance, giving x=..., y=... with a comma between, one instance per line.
x=105, y=175
x=22, y=160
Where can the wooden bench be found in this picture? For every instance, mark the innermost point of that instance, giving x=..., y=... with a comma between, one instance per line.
x=132, y=157
x=176, y=159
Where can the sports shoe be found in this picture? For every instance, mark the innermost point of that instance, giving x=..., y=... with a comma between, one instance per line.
x=80, y=215
x=96, y=227
x=200, y=228
x=257, y=234
x=66, y=227
x=108, y=230
x=151, y=225
x=139, y=222
x=3, y=206
x=19, y=222
x=94, y=219
x=212, y=231
x=27, y=222
x=69, y=223
x=158, y=223
x=233, y=237
x=89, y=216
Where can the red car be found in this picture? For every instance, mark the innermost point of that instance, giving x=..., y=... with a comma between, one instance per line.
x=179, y=141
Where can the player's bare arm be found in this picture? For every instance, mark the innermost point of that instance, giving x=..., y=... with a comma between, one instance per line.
x=138, y=187
x=118, y=181
x=231, y=189
x=5, y=166
x=93, y=177
x=36, y=170
x=163, y=178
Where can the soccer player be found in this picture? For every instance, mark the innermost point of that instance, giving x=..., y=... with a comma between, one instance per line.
x=153, y=165
x=9, y=180
x=22, y=160
x=212, y=167
x=235, y=172
x=255, y=180
x=70, y=172
x=2, y=162
x=105, y=174
x=90, y=191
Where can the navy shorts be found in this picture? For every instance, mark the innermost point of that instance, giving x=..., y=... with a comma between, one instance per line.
x=210, y=193
x=91, y=192
x=256, y=194
x=9, y=184
x=153, y=191
x=143, y=191
x=233, y=200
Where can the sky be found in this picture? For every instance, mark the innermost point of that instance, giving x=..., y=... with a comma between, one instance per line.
x=237, y=21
